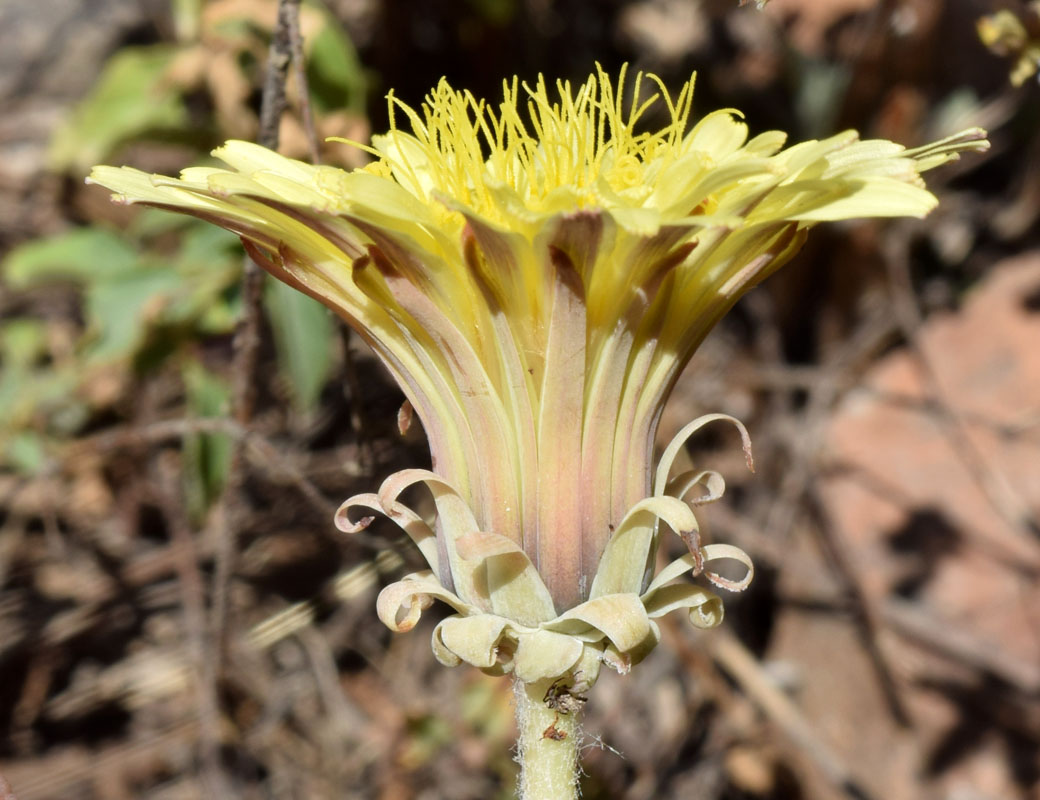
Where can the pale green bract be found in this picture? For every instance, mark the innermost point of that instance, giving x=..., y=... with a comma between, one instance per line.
x=508, y=623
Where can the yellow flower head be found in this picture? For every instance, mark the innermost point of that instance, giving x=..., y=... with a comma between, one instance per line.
x=1007, y=34
x=536, y=274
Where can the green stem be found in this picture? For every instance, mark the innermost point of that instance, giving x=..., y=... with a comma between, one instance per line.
x=548, y=744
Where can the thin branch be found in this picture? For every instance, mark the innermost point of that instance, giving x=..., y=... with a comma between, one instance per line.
x=738, y=662
x=193, y=604
x=6, y=792
x=797, y=487
x=960, y=646
x=343, y=715
x=300, y=74
x=995, y=487
x=262, y=453
x=273, y=102
x=865, y=607
x=247, y=336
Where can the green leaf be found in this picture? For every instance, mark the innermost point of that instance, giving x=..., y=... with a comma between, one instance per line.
x=13, y=394
x=22, y=342
x=203, y=241
x=303, y=332
x=209, y=263
x=130, y=98
x=25, y=453
x=120, y=311
x=128, y=294
x=821, y=85
x=334, y=72
x=152, y=222
x=187, y=19
x=82, y=254
x=45, y=398
x=207, y=456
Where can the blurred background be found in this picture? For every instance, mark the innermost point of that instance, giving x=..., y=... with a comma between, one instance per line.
x=179, y=618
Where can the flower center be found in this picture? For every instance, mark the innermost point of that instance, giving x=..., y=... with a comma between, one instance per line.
x=534, y=152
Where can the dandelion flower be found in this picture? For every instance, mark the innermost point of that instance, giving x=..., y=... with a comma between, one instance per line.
x=535, y=274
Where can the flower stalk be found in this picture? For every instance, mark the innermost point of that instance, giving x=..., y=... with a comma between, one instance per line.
x=535, y=276
x=547, y=744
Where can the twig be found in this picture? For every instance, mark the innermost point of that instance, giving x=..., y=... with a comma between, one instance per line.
x=787, y=378
x=741, y=665
x=995, y=487
x=193, y=593
x=62, y=774
x=358, y=424
x=835, y=379
x=300, y=74
x=957, y=644
x=905, y=619
x=864, y=606
x=797, y=485
x=273, y=102
x=213, y=649
x=263, y=453
x=341, y=712
x=247, y=335
x=6, y=792
x=1013, y=552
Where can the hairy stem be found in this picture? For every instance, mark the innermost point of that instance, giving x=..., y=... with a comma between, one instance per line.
x=548, y=745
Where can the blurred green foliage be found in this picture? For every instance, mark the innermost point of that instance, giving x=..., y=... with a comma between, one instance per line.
x=207, y=457
x=141, y=304
x=151, y=295
x=131, y=98
x=133, y=293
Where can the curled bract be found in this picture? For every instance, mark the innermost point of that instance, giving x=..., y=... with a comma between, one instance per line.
x=505, y=621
